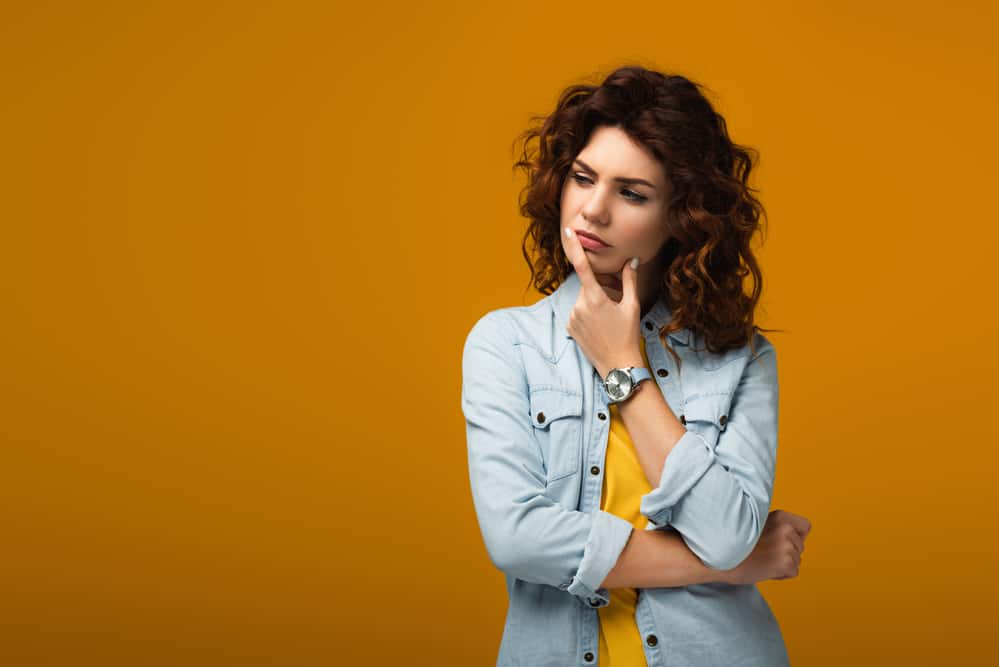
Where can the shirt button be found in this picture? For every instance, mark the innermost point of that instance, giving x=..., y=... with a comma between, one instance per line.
x=601, y=415
x=723, y=420
x=683, y=420
x=651, y=640
x=588, y=657
x=595, y=470
x=541, y=418
x=662, y=372
x=648, y=325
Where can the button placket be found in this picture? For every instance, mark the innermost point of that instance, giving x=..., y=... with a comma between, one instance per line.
x=597, y=469
x=661, y=364
x=672, y=384
x=647, y=629
x=593, y=485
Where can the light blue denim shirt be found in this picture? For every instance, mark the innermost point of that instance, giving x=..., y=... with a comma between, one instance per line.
x=537, y=424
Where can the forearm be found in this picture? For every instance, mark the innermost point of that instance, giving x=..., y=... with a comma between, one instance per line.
x=656, y=559
x=653, y=428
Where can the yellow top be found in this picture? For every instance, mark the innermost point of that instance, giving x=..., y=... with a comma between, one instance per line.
x=624, y=485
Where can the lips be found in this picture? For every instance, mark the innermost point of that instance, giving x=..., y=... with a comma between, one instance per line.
x=592, y=236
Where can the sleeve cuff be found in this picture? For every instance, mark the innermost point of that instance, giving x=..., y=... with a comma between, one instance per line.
x=608, y=536
x=685, y=464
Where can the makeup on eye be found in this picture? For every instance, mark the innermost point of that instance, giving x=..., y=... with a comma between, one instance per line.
x=579, y=178
x=626, y=180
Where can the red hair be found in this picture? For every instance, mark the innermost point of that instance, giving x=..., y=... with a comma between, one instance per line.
x=712, y=213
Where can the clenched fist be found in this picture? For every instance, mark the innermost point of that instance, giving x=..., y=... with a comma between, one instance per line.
x=777, y=554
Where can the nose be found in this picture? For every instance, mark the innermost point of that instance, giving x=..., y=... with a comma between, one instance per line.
x=595, y=208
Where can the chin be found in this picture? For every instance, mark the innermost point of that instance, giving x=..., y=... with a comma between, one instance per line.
x=605, y=265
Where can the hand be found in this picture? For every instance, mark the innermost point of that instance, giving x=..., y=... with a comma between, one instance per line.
x=777, y=554
x=607, y=331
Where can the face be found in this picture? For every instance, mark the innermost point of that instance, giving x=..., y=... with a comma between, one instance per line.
x=617, y=190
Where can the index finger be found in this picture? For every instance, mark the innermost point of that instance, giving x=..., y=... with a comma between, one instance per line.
x=576, y=253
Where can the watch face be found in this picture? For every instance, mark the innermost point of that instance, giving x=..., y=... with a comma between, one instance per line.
x=618, y=384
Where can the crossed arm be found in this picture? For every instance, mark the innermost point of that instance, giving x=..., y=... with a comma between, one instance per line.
x=533, y=538
x=717, y=498
x=653, y=558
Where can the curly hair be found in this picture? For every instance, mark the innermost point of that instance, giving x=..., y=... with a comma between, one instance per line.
x=711, y=215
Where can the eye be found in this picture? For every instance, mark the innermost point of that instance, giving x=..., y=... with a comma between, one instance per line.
x=579, y=178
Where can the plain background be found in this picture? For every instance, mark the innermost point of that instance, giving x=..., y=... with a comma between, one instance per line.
x=243, y=244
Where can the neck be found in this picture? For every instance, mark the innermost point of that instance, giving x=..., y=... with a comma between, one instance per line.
x=649, y=286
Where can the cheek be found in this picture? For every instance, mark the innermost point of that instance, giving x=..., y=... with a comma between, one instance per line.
x=566, y=195
x=638, y=237
x=644, y=241
x=568, y=204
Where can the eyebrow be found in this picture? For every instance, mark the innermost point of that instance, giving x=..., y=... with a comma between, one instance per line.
x=619, y=179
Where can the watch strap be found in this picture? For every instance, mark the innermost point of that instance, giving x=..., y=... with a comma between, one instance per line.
x=639, y=373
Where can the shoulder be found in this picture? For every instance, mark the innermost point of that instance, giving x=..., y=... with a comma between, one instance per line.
x=513, y=325
x=492, y=354
x=731, y=372
x=759, y=347
x=764, y=352
x=760, y=361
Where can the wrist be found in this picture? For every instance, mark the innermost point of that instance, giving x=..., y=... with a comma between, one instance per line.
x=632, y=361
x=730, y=577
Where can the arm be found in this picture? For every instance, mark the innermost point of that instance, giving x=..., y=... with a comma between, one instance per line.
x=657, y=559
x=527, y=534
x=651, y=424
x=718, y=497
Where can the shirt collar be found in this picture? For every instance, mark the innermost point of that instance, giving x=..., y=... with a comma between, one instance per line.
x=564, y=298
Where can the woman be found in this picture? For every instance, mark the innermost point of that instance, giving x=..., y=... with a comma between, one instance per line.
x=622, y=431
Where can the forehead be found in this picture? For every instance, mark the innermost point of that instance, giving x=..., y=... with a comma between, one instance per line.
x=613, y=153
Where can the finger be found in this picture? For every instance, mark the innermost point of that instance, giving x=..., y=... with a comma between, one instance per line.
x=576, y=253
x=629, y=283
x=800, y=523
x=797, y=540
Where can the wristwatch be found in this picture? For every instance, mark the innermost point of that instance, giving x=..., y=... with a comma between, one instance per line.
x=621, y=383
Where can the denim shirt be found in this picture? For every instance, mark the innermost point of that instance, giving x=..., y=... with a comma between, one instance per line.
x=537, y=424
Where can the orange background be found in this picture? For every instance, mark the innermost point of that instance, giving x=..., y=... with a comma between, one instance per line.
x=243, y=244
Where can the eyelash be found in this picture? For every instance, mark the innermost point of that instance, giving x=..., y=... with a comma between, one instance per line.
x=637, y=199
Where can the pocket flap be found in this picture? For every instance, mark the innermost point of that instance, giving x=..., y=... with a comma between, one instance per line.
x=550, y=404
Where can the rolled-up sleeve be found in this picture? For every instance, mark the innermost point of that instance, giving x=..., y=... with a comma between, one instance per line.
x=527, y=534
x=718, y=498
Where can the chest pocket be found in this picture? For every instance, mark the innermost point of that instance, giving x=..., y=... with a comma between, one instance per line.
x=707, y=415
x=557, y=417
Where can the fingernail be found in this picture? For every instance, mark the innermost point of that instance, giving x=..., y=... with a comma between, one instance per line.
x=568, y=232
x=634, y=262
